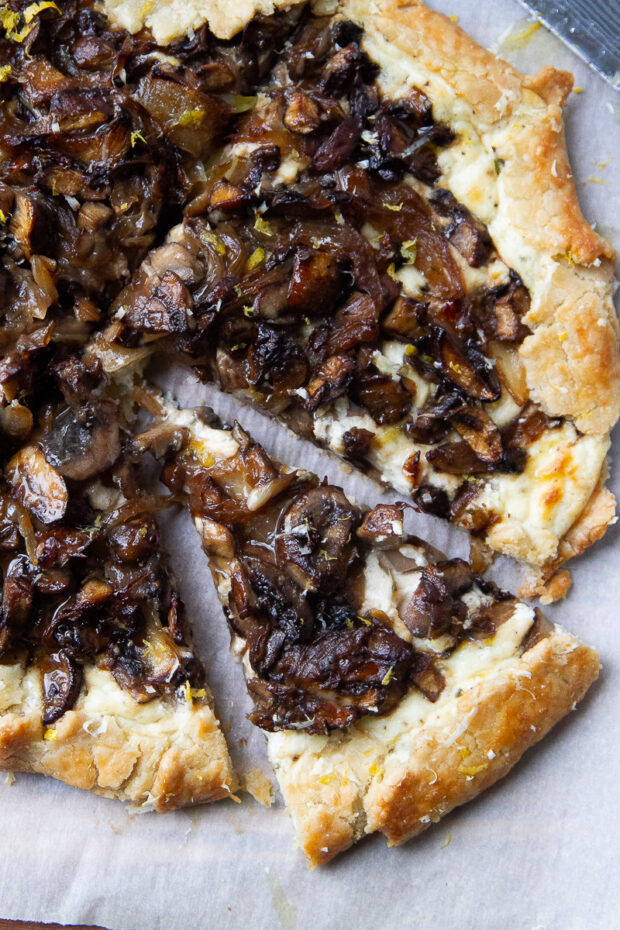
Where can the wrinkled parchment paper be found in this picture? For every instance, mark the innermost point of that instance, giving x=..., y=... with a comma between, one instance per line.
x=539, y=851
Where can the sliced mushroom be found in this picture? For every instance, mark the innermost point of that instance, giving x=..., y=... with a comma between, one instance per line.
x=356, y=442
x=433, y=608
x=17, y=597
x=427, y=677
x=466, y=233
x=62, y=682
x=302, y=114
x=134, y=541
x=331, y=380
x=467, y=368
x=337, y=150
x=478, y=429
x=457, y=458
x=32, y=224
x=386, y=401
x=84, y=442
x=404, y=319
x=37, y=485
x=315, y=282
x=315, y=538
x=383, y=526
x=168, y=310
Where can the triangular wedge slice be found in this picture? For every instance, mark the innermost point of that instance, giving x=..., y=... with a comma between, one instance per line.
x=392, y=684
x=362, y=262
x=100, y=685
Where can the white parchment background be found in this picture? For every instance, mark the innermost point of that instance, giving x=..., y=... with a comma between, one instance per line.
x=537, y=852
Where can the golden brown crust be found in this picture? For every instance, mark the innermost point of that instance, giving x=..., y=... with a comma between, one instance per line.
x=506, y=715
x=158, y=756
x=551, y=585
x=400, y=795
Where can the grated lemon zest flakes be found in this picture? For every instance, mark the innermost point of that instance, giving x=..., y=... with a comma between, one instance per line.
x=256, y=258
x=327, y=779
x=409, y=251
x=374, y=769
x=2, y=216
x=5, y=72
x=387, y=677
x=447, y=841
x=199, y=449
x=262, y=226
x=454, y=17
x=411, y=350
x=339, y=218
x=248, y=310
x=394, y=207
x=464, y=752
x=472, y=769
x=22, y=34
x=578, y=90
x=192, y=118
x=8, y=19
x=211, y=239
x=35, y=8
x=191, y=693
x=10, y=779
x=135, y=137
x=563, y=337
x=50, y=734
x=392, y=271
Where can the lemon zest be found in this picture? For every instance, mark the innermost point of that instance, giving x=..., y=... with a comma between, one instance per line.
x=2, y=216
x=387, y=677
x=256, y=258
x=5, y=72
x=394, y=207
x=50, y=734
x=262, y=226
x=409, y=251
x=411, y=350
x=192, y=118
x=135, y=136
x=209, y=237
x=35, y=8
x=472, y=769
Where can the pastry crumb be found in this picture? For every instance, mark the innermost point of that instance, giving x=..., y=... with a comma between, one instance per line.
x=256, y=783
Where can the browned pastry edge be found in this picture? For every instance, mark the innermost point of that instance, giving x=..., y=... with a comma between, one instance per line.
x=504, y=715
x=160, y=756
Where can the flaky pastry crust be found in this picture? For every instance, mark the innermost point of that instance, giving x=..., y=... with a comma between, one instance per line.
x=496, y=720
x=159, y=756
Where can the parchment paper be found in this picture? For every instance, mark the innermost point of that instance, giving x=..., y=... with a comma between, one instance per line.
x=537, y=852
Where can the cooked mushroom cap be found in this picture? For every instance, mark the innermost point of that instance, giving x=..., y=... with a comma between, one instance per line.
x=85, y=442
x=314, y=542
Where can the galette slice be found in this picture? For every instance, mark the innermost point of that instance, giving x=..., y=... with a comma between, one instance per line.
x=100, y=684
x=392, y=684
